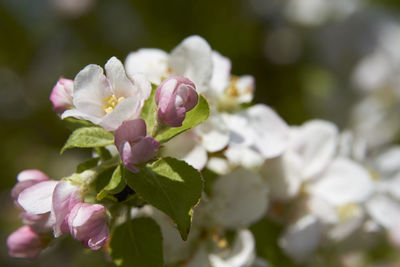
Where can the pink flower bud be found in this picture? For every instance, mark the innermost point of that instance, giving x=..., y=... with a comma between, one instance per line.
x=133, y=144
x=61, y=95
x=175, y=96
x=24, y=243
x=88, y=224
x=26, y=179
x=66, y=195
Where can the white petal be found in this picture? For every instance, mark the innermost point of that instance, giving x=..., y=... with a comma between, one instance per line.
x=238, y=199
x=128, y=109
x=384, y=210
x=241, y=155
x=37, y=199
x=153, y=63
x=218, y=165
x=80, y=115
x=191, y=152
x=90, y=88
x=282, y=175
x=388, y=162
x=316, y=143
x=245, y=86
x=192, y=59
x=266, y=130
x=301, y=239
x=344, y=181
x=242, y=253
x=142, y=86
x=214, y=134
x=120, y=84
x=221, y=73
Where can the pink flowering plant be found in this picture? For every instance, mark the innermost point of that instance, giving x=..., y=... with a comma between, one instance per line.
x=125, y=121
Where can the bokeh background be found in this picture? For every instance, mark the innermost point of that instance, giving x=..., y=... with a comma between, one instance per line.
x=310, y=59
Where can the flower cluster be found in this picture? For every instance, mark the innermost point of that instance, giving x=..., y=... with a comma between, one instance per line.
x=178, y=143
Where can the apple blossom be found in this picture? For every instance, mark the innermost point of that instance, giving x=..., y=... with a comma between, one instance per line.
x=108, y=100
x=24, y=243
x=133, y=144
x=174, y=97
x=191, y=58
x=26, y=179
x=88, y=224
x=65, y=196
x=61, y=95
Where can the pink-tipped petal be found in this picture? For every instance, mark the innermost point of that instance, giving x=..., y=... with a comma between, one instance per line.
x=174, y=97
x=32, y=174
x=144, y=150
x=65, y=197
x=133, y=144
x=37, y=199
x=130, y=131
x=88, y=224
x=61, y=95
x=24, y=243
x=26, y=179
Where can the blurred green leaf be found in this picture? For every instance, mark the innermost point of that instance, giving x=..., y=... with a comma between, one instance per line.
x=137, y=243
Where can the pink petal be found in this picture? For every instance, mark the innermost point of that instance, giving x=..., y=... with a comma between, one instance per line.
x=37, y=199
x=65, y=197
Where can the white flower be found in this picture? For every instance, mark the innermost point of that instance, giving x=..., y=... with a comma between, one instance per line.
x=310, y=149
x=191, y=59
x=238, y=199
x=108, y=101
x=301, y=239
x=258, y=132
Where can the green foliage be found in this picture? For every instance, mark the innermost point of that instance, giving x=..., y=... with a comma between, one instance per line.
x=90, y=163
x=266, y=234
x=149, y=110
x=88, y=137
x=171, y=185
x=137, y=243
x=193, y=118
x=209, y=178
x=73, y=124
x=114, y=186
x=103, y=153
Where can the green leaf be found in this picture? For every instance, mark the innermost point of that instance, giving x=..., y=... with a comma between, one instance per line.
x=266, y=234
x=193, y=118
x=137, y=243
x=89, y=137
x=149, y=110
x=103, y=153
x=172, y=186
x=90, y=163
x=73, y=124
x=209, y=178
x=114, y=186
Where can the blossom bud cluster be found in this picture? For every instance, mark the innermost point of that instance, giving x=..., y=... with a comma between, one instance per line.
x=53, y=208
x=317, y=183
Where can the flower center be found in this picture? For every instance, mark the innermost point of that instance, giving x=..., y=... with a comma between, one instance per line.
x=110, y=102
x=347, y=211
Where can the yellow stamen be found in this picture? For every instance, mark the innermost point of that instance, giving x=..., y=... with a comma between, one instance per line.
x=110, y=102
x=347, y=211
